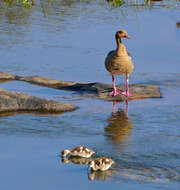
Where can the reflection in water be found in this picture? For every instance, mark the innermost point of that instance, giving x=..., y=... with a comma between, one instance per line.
x=139, y=172
x=138, y=167
x=7, y=114
x=116, y=3
x=16, y=15
x=92, y=175
x=75, y=160
x=62, y=7
x=72, y=127
x=178, y=24
x=34, y=113
x=101, y=175
x=114, y=107
x=119, y=127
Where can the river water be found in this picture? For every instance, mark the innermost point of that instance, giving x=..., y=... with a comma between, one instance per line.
x=68, y=40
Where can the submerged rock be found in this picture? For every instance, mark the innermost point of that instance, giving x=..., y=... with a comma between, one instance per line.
x=13, y=101
x=96, y=90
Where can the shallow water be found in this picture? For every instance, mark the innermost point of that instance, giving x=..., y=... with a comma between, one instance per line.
x=63, y=41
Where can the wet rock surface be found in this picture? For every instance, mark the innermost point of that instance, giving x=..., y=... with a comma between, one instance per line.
x=96, y=90
x=6, y=76
x=13, y=101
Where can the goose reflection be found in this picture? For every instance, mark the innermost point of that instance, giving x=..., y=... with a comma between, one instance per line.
x=120, y=126
x=75, y=160
x=178, y=24
x=100, y=175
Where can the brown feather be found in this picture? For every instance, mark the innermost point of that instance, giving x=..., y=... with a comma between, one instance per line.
x=118, y=61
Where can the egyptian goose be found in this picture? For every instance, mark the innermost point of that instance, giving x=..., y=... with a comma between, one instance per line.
x=119, y=62
x=101, y=164
x=80, y=151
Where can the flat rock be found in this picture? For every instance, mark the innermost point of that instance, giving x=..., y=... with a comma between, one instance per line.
x=13, y=101
x=95, y=90
x=42, y=81
x=139, y=91
x=7, y=76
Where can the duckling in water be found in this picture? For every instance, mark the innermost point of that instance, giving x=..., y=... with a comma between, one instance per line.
x=101, y=164
x=119, y=62
x=80, y=151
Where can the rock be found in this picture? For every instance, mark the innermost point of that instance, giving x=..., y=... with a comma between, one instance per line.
x=45, y=81
x=6, y=76
x=139, y=91
x=13, y=101
x=96, y=90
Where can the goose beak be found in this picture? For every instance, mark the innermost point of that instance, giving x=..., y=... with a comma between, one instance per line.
x=128, y=37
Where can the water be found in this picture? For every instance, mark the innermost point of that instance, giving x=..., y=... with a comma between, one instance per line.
x=63, y=40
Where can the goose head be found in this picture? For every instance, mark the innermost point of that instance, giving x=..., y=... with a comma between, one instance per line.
x=65, y=152
x=122, y=34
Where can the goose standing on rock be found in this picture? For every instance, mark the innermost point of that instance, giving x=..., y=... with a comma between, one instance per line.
x=119, y=62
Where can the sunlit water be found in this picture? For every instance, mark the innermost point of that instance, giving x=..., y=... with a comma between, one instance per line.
x=69, y=41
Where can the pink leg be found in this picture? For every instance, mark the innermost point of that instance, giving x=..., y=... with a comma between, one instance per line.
x=127, y=93
x=127, y=109
x=115, y=91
